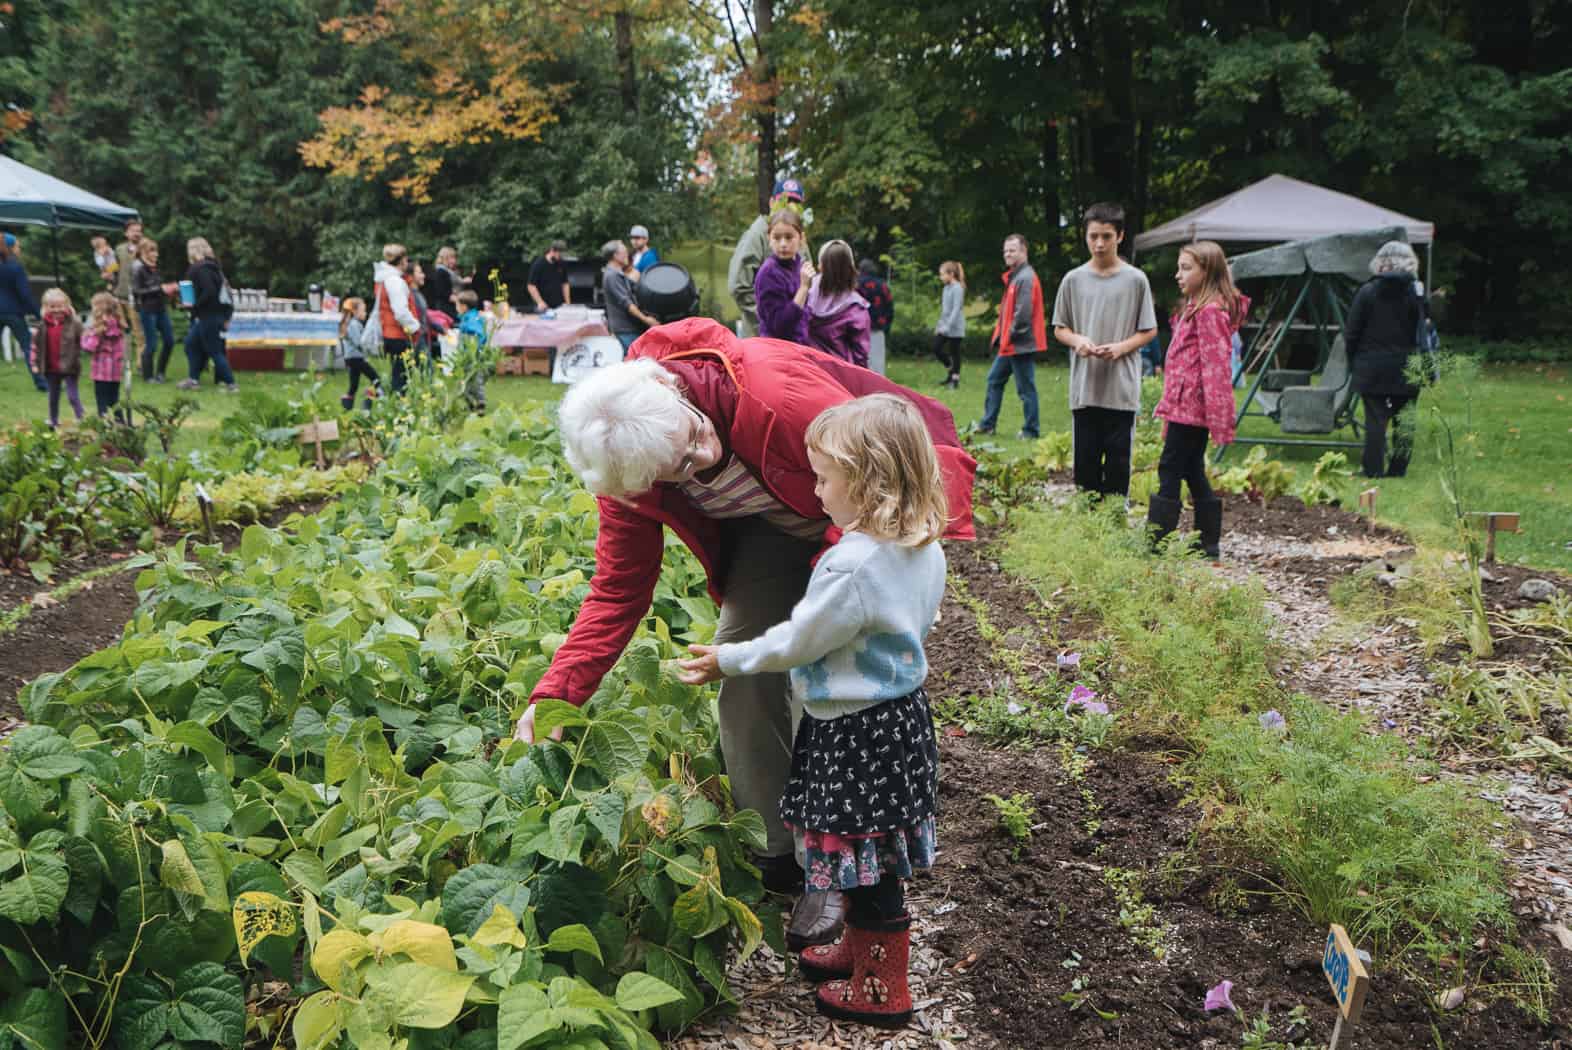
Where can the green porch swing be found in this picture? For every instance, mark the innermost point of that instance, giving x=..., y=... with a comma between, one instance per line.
x=1302, y=289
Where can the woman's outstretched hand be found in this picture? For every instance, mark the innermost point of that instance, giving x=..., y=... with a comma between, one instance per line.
x=526, y=727
x=702, y=668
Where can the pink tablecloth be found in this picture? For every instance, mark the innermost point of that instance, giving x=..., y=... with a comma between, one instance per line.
x=532, y=330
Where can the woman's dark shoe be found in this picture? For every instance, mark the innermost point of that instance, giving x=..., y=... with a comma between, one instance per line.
x=1162, y=518
x=818, y=918
x=1209, y=526
x=877, y=992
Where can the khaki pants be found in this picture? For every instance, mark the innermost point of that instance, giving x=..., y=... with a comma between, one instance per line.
x=136, y=339
x=767, y=576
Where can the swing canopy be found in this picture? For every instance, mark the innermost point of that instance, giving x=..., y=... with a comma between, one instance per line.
x=1280, y=208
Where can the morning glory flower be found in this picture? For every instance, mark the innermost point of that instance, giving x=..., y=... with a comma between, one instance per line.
x=1219, y=999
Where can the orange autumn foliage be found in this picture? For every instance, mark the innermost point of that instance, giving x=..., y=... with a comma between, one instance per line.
x=473, y=85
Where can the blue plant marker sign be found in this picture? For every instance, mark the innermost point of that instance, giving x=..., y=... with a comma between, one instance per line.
x=1346, y=974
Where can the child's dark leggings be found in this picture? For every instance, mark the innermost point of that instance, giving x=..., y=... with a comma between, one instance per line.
x=947, y=348
x=106, y=392
x=357, y=367
x=1184, y=459
x=885, y=899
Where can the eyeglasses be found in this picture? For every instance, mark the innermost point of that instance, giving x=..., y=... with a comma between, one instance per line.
x=697, y=438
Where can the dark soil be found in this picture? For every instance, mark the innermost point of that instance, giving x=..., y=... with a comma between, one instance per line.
x=19, y=587
x=1023, y=914
x=53, y=638
x=1287, y=516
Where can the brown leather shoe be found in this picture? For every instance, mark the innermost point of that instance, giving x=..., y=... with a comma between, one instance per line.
x=818, y=918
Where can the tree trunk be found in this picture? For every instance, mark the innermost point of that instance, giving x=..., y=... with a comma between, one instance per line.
x=1050, y=138
x=764, y=77
x=623, y=23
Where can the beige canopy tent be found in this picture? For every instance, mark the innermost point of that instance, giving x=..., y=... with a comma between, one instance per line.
x=1278, y=209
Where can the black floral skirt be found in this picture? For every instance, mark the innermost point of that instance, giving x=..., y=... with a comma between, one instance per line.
x=866, y=773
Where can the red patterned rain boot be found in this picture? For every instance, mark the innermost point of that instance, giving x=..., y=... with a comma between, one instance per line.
x=876, y=993
x=822, y=962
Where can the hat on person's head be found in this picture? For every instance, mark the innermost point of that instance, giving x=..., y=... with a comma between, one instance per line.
x=639, y=231
x=10, y=240
x=789, y=189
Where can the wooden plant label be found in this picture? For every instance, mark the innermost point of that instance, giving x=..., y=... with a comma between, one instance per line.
x=1367, y=503
x=314, y=432
x=1345, y=973
x=1496, y=521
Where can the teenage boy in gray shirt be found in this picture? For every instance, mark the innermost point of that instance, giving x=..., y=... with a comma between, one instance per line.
x=1103, y=312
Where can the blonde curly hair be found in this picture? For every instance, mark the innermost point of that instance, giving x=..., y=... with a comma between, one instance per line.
x=892, y=469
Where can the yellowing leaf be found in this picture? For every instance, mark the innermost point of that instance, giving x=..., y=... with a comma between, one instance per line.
x=501, y=928
x=335, y=958
x=419, y=996
x=258, y=915
x=177, y=871
x=317, y=1023
x=422, y=942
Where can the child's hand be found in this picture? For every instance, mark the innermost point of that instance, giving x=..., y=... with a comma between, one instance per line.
x=808, y=273
x=1086, y=348
x=703, y=668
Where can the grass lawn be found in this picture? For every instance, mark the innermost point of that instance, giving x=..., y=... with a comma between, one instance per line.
x=1523, y=414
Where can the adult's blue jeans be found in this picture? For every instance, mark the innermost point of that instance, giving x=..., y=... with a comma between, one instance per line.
x=24, y=341
x=204, y=343
x=1024, y=368
x=155, y=323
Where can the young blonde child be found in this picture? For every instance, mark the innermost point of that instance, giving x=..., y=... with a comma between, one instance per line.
x=104, y=341
x=1198, y=391
x=57, y=352
x=837, y=315
x=864, y=774
x=780, y=288
x=947, y=334
x=351, y=326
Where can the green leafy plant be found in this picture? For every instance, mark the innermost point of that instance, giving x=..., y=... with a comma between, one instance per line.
x=155, y=490
x=1015, y=816
x=1256, y=477
x=305, y=751
x=1328, y=482
x=1054, y=452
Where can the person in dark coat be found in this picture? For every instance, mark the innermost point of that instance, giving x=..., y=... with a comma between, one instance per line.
x=1382, y=334
x=209, y=317
x=16, y=302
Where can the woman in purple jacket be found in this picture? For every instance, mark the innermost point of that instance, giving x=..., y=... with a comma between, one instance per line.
x=838, y=320
x=780, y=288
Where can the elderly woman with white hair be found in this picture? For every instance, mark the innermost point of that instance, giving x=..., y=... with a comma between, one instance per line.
x=705, y=434
x=1382, y=332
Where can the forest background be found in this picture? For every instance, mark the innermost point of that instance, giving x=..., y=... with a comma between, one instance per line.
x=299, y=135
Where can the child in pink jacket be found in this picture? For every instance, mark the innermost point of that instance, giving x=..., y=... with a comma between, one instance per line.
x=1198, y=391
x=105, y=341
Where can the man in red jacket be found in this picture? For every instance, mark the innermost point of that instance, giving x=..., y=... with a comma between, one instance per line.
x=1018, y=336
x=706, y=434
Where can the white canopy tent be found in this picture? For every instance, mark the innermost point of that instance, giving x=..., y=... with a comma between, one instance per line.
x=1279, y=208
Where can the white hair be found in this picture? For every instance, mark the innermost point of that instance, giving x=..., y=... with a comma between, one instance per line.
x=1395, y=257
x=620, y=427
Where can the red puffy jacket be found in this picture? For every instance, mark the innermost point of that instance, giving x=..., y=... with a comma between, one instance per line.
x=761, y=394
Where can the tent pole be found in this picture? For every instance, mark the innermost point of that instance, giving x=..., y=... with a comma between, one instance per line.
x=1430, y=269
x=54, y=242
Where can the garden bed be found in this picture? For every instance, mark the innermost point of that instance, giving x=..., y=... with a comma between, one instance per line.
x=53, y=636
x=1022, y=917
